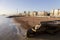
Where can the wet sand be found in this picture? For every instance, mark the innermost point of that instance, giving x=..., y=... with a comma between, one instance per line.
x=31, y=21
x=47, y=37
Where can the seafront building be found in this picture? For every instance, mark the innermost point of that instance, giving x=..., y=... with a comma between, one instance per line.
x=42, y=13
x=35, y=13
x=52, y=13
x=55, y=12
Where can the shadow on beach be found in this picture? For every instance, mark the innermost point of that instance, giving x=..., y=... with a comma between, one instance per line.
x=46, y=37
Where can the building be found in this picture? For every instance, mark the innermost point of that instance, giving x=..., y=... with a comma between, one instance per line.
x=27, y=13
x=35, y=13
x=55, y=12
x=42, y=13
x=31, y=13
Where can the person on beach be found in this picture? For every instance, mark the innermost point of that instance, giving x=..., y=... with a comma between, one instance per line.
x=36, y=27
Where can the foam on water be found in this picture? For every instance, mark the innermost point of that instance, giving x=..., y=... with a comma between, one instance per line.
x=8, y=31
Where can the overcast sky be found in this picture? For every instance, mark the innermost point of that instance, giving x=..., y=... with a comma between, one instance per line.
x=7, y=6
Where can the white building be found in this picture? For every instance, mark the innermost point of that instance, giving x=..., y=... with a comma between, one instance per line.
x=30, y=13
x=35, y=13
x=55, y=12
x=42, y=13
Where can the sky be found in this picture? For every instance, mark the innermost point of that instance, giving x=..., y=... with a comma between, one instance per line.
x=11, y=6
